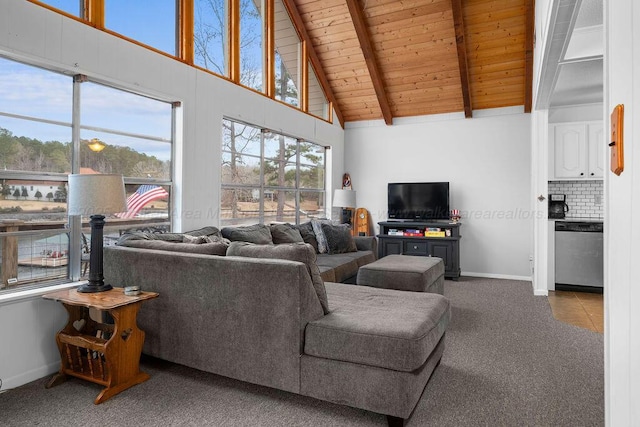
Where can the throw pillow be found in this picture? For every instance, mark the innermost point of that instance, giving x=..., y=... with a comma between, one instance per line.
x=323, y=247
x=306, y=231
x=258, y=234
x=285, y=233
x=339, y=239
x=301, y=252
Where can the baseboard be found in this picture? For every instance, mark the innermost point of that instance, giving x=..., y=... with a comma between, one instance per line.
x=497, y=276
x=541, y=292
x=32, y=375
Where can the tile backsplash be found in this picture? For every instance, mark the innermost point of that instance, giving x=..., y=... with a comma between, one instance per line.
x=583, y=197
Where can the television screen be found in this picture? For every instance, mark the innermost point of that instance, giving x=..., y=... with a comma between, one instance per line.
x=418, y=200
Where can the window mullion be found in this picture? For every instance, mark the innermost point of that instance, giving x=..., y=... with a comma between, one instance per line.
x=270, y=49
x=75, y=222
x=304, y=77
x=93, y=12
x=234, y=40
x=184, y=39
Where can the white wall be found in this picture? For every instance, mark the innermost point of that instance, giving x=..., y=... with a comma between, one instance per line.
x=41, y=37
x=622, y=210
x=576, y=113
x=486, y=159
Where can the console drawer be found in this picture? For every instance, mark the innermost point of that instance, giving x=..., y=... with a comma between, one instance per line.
x=415, y=248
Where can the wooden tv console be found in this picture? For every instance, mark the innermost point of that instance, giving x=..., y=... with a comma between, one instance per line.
x=395, y=238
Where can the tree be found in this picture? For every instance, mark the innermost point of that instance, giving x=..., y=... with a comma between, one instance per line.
x=49, y=195
x=60, y=194
x=16, y=193
x=24, y=193
x=38, y=195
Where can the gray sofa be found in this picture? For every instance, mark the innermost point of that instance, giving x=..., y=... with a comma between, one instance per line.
x=260, y=320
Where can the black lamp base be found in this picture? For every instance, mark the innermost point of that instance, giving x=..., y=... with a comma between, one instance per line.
x=89, y=288
x=96, y=278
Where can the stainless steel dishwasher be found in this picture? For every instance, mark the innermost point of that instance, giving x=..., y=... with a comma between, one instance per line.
x=579, y=256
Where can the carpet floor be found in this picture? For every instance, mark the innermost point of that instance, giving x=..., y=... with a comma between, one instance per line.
x=507, y=362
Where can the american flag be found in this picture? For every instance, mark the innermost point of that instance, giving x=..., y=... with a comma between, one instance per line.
x=143, y=195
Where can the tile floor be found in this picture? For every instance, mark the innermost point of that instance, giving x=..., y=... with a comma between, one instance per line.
x=581, y=309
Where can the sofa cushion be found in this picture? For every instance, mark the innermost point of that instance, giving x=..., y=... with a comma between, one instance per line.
x=285, y=233
x=344, y=265
x=306, y=231
x=378, y=327
x=339, y=239
x=300, y=252
x=218, y=247
x=257, y=233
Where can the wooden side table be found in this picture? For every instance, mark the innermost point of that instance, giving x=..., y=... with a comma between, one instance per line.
x=107, y=354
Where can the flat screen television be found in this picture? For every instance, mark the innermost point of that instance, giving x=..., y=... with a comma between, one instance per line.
x=418, y=201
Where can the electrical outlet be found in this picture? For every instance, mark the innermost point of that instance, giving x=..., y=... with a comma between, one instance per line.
x=12, y=281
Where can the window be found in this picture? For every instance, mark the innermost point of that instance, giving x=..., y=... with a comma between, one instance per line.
x=151, y=24
x=318, y=104
x=210, y=35
x=36, y=145
x=72, y=7
x=287, y=57
x=267, y=176
x=251, y=42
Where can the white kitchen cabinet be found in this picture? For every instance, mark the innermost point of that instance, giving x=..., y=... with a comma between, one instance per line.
x=576, y=151
x=597, y=150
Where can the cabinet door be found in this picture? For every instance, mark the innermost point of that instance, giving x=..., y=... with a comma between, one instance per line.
x=597, y=150
x=443, y=250
x=569, y=151
x=391, y=247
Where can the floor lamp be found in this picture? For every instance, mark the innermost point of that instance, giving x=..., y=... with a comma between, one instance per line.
x=96, y=195
x=345, y=199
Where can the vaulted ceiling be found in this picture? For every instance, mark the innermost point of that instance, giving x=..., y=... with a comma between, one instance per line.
x=382, y=59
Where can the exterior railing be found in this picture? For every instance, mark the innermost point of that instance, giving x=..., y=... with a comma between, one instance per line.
x=33, y=252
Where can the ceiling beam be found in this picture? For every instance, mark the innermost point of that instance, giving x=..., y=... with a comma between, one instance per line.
x=313, y=57
x=357, y=16
x=528, y=58
x=458, y=23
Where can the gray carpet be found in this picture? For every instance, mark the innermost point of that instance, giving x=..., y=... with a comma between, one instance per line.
x=507, y=362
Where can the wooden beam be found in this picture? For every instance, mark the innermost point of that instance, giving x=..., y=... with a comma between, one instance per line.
x=185, y=31
x=313, y=57
x=93, y=12
x=357, y=16
x=234, y=40
x=270, y=49
x=529, y=44
x=458, y=23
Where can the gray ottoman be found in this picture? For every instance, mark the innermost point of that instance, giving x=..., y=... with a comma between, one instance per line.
x=404, y=273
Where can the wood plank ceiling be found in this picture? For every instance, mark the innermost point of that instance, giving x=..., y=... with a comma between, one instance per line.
x=397, y=58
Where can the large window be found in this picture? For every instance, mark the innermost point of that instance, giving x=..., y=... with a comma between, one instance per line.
x=152, y=24
x=287, y=57
x=210, y=35
x=254, y=43
x=251, y=44
x=116, y=132
x=267, y=176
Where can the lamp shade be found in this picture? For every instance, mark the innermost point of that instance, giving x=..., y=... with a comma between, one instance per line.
x=344, y=198
x=96, y=194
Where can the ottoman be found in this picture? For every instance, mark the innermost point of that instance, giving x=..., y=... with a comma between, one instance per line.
x=404, y=273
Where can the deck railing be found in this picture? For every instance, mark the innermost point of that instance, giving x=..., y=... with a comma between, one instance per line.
x=33, y=252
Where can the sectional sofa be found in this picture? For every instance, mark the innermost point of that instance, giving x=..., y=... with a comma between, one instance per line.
x=263, y=314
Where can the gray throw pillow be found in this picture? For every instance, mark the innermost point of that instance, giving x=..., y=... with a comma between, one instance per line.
x=301, y=252
x=285, y=233
x=339, y=239
x=306, y=231
x=258, y=234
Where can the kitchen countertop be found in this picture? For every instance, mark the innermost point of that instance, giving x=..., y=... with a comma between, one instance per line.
x=578, y=219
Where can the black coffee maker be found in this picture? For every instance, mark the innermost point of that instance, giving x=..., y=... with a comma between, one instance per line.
x=557, y=206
